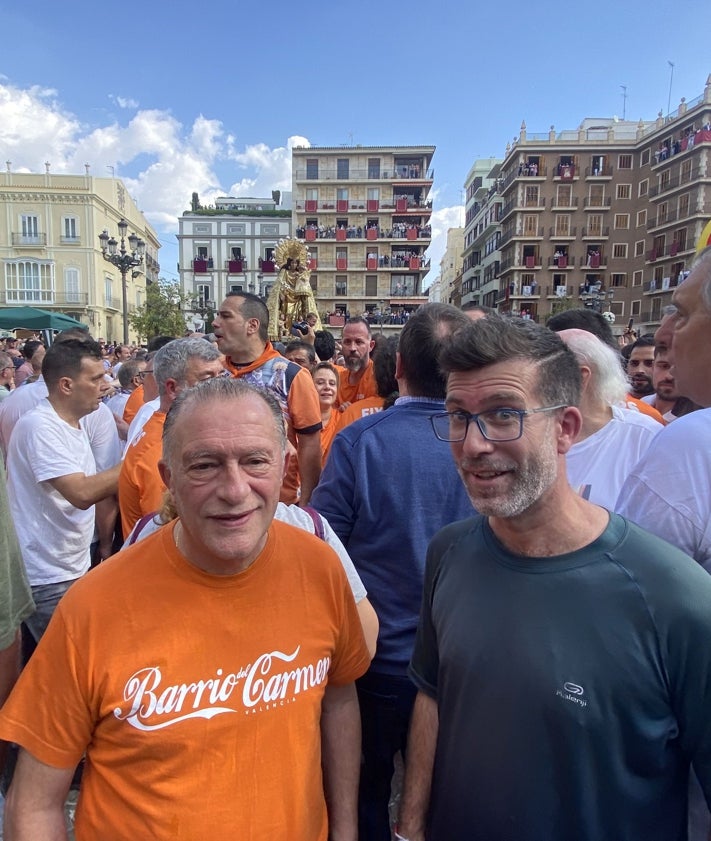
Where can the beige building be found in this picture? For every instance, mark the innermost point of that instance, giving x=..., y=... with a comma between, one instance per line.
x=605, y=216
x=482, y=232
x=450, y=268
x=364, y=213
x=50, y=250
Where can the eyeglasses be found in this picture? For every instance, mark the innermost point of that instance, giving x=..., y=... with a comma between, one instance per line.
x=142, y=374
x=7, y=368
x=495, y=424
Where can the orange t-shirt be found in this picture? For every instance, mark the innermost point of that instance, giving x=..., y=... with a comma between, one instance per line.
x=365, y=387
x=328, y=433
x=196, y=697
x=361, y=409
x=646, y=409
x=140, y=488
x=295, y=390
x=133, y=404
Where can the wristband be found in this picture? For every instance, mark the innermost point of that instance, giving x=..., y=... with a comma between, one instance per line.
x=399, y=837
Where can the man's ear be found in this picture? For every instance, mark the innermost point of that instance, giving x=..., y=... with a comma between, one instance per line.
x=171, y=388
x=65, y=385
x=571, y=422
x=164, y=472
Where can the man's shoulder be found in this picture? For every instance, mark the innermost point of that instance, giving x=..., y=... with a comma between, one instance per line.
x=631, y=418
x=688, y=436
x=460, y=532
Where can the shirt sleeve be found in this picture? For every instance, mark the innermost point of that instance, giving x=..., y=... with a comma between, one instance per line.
x=304, y=409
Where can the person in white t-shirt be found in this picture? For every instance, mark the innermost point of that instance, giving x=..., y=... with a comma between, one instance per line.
x=612, y=438
x=53, y=482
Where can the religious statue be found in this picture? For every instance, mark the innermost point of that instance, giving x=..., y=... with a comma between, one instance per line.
x=291, y=298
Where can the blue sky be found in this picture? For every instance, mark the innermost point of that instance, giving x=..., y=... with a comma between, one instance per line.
x=207, y=96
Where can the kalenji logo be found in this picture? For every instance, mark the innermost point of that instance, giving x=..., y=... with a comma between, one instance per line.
x=572, y=692
x=150, y=700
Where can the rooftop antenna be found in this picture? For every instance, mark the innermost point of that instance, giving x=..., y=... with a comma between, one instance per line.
x=671, y=79
x=624, y=100
x=350, y=137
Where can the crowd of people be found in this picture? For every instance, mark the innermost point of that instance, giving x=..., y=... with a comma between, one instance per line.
x=241, y=578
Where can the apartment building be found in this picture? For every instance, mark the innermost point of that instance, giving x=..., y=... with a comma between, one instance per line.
x=50, y=250
x=606, y=216
x=450, y=267
x=229, y=247
x=482, y=232
x=364, y=214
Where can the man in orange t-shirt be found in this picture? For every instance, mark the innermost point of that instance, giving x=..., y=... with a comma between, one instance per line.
x=207, y=671
x=359, y=381
x=240, y=327
x=180, y=364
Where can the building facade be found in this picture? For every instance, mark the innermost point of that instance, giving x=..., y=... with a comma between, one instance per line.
x=450, y=267
x=482, y=232
x=50, y=250
x=229, y=248
x=364, y=214
x=606, y=216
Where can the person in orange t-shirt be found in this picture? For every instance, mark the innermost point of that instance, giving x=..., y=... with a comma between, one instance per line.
x=215, y=660
x=360, y=382
x=325, y=377
x=384, y=367
x=180, y=364
x=240, y=327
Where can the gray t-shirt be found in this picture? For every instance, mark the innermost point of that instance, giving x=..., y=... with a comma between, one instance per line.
x=573, y=691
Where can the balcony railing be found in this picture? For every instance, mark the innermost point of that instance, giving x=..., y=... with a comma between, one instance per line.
x=673, y=182
x=29, y=240
x=595, y=233
x=595, y=202
x=664, y=285
x=558, y=233
x=564, y=261
x=236, y=266
x=604, y=171
x=267, y=266
x=398, y=173
x=202, y=266
x=46, y=297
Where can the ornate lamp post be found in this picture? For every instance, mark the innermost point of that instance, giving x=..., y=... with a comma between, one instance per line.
x=123, y=260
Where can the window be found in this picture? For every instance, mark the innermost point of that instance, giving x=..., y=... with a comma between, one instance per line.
x=662, y=213
x=639, y=248
x=342, y=194
x=139, y=298
x=371, y=285
x=641, y=218
x=312, y=169
x=636, y=308
x=203, y=295
x=202, y=252
x=69, y=229
x=664, y=180
x=530, y=225
x=108, y=292
x=29, y=281
x=680, y=239
x=619, y=279
x=531, y=197
x=624, y=191
x=595, y=225
x=644, y=187
x=71, y=286
x=597, y=195
x=686, y=170
x=637, y=278
x=236, y=252
x=269, y=253
x=564, y=195
x=562, y=225
x=373, y=167
x=619, y=250
x=624, y=162
x=236, y=287
x=683, y=206
x=373, y=193
x=617, y=308
x=622, y=221
x=312, y=194
x=341, y=285
x=342, y=168
x=644, y=159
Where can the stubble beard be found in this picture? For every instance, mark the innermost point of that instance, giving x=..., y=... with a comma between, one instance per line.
x=354, y=363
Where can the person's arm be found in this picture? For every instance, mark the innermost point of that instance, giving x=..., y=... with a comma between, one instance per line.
x=369, y=622
x=340, y=755
x=83, y=491
x=34, y=807
x=308, y=450
x=421, y=744
x=105, y=517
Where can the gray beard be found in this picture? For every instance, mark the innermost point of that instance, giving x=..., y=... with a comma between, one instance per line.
x=354, y=364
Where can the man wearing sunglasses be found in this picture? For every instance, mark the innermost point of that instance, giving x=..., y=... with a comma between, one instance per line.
x=563, y=657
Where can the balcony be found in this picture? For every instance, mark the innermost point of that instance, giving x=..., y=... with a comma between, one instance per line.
x=398, y=173
x=43, y=297
x=672, y=183
x=561, y=262
x=604, y=171
x=666, y=284
x=566, y=233
x=597, y=202
x=236, y=266
x=267, y=266
x=372, y=233
x=671, y=250
x=565, y=172
x=595, y=233
x=29, y=240
x=593, y=261
x=373, y=205
x=560, y=291
x=202, y=266
x=341, y=264
x=562, y=206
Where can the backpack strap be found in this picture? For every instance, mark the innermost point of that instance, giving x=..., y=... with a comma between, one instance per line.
x=319, y=530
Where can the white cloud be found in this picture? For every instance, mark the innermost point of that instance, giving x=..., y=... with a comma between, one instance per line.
x=124, y=102
x=442, y=220
x=161, y=160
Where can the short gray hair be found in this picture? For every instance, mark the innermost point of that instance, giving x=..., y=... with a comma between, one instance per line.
x=216, y=390
x=703, y=258
x=171, y=361
x=608, y=383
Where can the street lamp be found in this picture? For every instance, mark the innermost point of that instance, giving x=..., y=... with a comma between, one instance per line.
x=123, y=260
